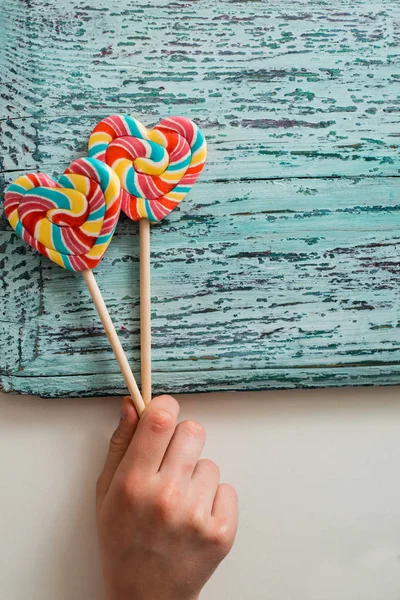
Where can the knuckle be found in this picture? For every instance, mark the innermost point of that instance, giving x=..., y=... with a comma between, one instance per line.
x=167, y=503
x=125, y=491
x=221, y=536
x=193, y=429
x=160, y=421
x=117, y=441
x=197, y=523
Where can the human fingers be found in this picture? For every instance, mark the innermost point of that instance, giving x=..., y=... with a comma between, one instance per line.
x=204, y=484
x=225, y=517
x=183, y=452
x=152, y=436
x=119, y=444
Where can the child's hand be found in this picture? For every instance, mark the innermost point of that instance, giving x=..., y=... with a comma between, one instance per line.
x=164, y=520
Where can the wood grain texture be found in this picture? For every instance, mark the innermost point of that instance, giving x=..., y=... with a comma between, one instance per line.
x=281, y=268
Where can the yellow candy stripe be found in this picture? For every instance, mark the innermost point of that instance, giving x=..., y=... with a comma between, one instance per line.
x=150, y=164
x=71, y=221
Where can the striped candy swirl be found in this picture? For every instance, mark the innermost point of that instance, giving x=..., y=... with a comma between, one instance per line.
x=71, y=221
x=157, y=168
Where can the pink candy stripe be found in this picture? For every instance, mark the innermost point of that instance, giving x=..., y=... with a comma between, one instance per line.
x=96, y=200
x=181, y=126
x=181, y=150
x=147, y=186
x=118, y=125
x=75, y=245
x=135, y=147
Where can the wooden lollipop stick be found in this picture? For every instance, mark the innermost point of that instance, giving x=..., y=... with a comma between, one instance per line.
x=145, y=309
x=114, y=340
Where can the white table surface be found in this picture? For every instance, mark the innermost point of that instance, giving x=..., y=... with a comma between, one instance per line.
x=317, y=474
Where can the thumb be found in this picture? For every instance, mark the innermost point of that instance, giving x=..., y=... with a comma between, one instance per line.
x=119, y=443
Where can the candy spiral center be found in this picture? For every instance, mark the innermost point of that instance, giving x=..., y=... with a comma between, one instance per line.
x=61, y=206
x=144, y=155
x=149, y=168
x=71, y=220
x=156, y=168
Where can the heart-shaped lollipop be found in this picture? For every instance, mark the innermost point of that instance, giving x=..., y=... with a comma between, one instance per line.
x=72, y=220
x=156, y=167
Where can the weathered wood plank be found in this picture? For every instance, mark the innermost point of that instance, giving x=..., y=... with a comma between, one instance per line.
x=281, y=269
x=310, y=88
x=258, y=153
x=215, y=381
x=236, y=286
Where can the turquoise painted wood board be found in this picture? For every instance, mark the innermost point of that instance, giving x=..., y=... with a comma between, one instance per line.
x=281, y=269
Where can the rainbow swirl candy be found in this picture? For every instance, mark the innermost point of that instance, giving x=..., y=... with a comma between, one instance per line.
x=71, y=221
x=157, y=168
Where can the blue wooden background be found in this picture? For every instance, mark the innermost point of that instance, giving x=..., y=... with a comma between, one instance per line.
x=281, y=269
